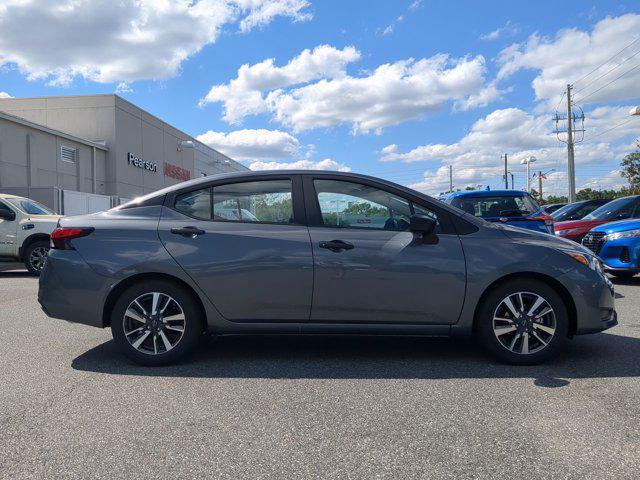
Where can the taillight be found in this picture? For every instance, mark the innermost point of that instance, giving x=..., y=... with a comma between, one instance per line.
x=546, y=218
x=60, y=237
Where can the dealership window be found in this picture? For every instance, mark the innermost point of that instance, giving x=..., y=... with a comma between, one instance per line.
x=68, y=154
x=352, y=205
x=268, y=201
x=195, y=204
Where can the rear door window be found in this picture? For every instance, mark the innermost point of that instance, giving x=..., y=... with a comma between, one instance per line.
x=266, y=201
x=195, y=204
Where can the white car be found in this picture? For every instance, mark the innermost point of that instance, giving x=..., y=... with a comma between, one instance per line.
x=25, y=227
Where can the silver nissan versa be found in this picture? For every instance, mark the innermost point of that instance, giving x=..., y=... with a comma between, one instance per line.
x=308, y=252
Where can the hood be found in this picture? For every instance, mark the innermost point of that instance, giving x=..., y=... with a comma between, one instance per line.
x=539, y=238
x=619, y=226
x=577, y=224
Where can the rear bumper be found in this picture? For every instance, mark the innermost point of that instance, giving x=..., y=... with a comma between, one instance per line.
x=70, y=290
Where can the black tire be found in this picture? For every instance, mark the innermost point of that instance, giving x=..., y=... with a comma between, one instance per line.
x=493, y=302
x=624, y=275
x=33, y=256
x=193, y=324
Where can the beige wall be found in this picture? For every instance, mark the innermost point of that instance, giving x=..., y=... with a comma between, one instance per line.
x=31, y=158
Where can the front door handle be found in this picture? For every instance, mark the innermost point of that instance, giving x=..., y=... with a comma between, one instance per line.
x=336, y=245
x=188, y=231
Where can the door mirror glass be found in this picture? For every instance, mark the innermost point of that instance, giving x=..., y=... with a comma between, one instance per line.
x=6, y=214
x=422, y=224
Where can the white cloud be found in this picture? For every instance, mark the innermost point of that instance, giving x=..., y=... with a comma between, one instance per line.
x=574, y=53
x=127, y=40
x=123, y=87
x=476, y=157
x=508, y=29
x=243, y=96
x=253, y=145
x=5, y=95
x=323, y=94
x=326, y=164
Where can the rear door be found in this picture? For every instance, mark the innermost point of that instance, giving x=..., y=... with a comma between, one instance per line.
x=8, y=231
x=247, y=246
x=369, y=267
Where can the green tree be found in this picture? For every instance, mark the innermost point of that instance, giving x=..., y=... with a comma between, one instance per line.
x=631, y=170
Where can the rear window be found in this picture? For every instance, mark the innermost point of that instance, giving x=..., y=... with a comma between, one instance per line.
x=498, y=206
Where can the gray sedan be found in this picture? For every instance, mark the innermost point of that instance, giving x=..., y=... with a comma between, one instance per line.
x=301, y=252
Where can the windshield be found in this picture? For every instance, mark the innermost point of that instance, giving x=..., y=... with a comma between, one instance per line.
x=620, y=208
x=498, y=206
x=30, y=207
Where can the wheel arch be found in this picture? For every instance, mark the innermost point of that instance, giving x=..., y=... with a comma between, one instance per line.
x=36, y=237
x=554, y=283
x=117, y=290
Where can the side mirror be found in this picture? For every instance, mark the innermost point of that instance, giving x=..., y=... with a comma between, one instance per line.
x=6, y=214
x=422, y=223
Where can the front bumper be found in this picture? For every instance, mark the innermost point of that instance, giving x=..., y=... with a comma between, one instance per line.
x=70, y=290
x=594, y=300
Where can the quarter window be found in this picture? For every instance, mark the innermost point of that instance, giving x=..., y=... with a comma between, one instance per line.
x=352, y=205
x=268, y=201
x=195, y=204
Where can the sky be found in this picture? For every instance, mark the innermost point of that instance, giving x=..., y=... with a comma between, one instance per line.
x=398, y=89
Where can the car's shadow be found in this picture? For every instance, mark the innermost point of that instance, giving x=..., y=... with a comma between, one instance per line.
x=341, y=357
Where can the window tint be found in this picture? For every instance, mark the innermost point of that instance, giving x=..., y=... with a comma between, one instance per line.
x=347, y=204
x=620, y=208
x=499, y=206
x=195, y=204
x=266, y=201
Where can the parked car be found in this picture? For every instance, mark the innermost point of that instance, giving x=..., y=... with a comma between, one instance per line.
x=551, y=207
x=513, y=207
x=618, y=245
x=618, y=209
x=578, y=210
x=25, y=226
x=323, y=253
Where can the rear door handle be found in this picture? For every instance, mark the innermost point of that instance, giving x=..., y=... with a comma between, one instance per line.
x=188, y=231
x=336, y=245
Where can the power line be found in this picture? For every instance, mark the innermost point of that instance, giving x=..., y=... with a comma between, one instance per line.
x=608, y=72
x=608, y=60
x=609, y=129
x=607, y=84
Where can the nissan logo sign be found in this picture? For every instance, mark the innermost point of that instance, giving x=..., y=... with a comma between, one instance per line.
x=140, y=163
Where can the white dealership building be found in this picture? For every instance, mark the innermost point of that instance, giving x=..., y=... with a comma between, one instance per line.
x=98, y=150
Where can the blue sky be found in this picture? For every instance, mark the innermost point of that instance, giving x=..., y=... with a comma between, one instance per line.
x=399, y=89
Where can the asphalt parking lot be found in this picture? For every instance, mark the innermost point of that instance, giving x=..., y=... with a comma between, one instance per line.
x=322, y=407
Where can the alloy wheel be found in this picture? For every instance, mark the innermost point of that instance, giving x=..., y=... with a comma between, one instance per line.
x=37, y=257
x=154, y=323
x=524, y=323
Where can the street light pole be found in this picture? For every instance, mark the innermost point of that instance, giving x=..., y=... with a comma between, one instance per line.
x=528, y=161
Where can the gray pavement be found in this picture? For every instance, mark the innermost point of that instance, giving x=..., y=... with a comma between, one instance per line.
x=321, y=407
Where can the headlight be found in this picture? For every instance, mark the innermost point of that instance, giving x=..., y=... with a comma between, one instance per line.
x=566, y=231
x=587, y=260
x=627, y=234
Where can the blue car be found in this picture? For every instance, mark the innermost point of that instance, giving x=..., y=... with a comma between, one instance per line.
x=513, y=207
x=618, y=245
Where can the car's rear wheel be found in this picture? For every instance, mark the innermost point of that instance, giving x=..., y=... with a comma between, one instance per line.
x=523, y=322
x=35, y=256
x=156, y=323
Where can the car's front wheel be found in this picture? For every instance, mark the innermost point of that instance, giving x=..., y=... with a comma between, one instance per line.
x=523, y=322
x=35, y=256
x=156, y=323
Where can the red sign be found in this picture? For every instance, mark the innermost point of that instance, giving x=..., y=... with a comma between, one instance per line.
x=176, y=172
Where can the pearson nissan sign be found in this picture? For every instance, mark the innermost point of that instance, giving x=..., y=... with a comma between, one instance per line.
x=169, y=169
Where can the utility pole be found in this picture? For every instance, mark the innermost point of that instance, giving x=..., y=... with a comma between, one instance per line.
x=571, y=119
x=540, y=184
x=571, y=167
x=450, y=178
x=506, y=173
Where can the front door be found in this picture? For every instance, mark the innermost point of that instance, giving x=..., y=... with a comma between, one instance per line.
x=370, y=268
x=245, y=247
x=8, y=231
